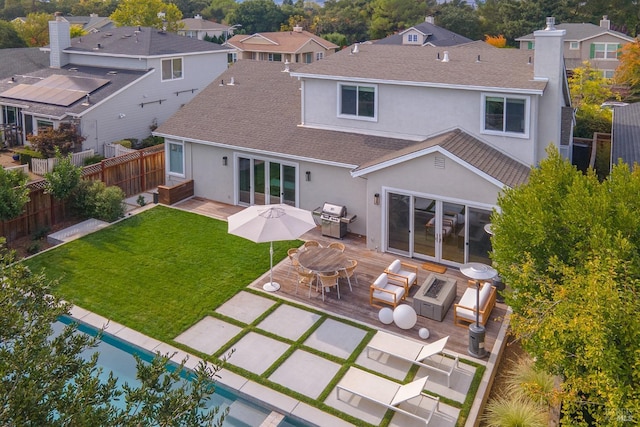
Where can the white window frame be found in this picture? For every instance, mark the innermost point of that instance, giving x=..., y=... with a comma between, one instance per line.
x=608, y=74
x=356, y=116
x=606, y=51
x=180, y=173
x=574, y=45
x=173, y=72
x=319, y=56
x=412, y=38
x=527, y=114
x=274, y=57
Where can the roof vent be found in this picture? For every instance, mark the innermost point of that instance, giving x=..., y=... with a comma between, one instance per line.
x=112, y=72
x=355, y=49
x=286, y=66
x=438, y=57
x=232, y=82
x=551, y=23
x=73, y=69
x=446, y=56
x=87, y=100
x=297, y=29
x=478, y=60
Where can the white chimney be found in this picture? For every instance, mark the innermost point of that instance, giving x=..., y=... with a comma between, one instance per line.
x=605, y=23
x=198, y=16
x=355, y=49
x=549, y=66
x=446, y=56
x=59, y=40
x=429, y=20
x=297, y=29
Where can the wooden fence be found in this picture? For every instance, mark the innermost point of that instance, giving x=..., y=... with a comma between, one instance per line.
x=43, y=166
x=134, y=173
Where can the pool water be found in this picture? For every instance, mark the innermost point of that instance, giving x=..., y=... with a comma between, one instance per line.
x=116, y=356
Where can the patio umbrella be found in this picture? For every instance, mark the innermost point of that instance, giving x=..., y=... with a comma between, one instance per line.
x=270, y=223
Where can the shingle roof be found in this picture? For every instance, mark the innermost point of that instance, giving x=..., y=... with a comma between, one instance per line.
x=202, y=24
x=497, y=68
x=626, y=134
x=279, y=42
x=437, y=36
x=139, y=41
x=22, y=61
x=116, y=82
x=261, y=113
x=579, y=32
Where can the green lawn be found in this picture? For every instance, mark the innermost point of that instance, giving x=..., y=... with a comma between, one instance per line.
x=157, y=272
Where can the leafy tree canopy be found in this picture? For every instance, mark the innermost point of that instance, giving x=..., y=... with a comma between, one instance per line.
x=147, y=13
x=589, y=89
x=64, y=178
x=45, y=380
x=219, y=10
x=459, y=17
x=14, y=193
x=568, y=247
x=35, y=30
x=388, y=16
x=628, y=72
x=257, y=16
x=9, y=37
x=49, y=140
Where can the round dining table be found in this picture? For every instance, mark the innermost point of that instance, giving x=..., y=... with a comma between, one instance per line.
x=323, y=260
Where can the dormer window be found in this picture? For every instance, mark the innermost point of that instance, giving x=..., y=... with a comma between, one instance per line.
x=412, y=38
x=357, y=101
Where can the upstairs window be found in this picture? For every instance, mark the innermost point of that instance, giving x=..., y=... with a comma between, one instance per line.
x=319, y=56
x=412, y=38
x=357, y=101
x=574, y=45
x=171, y=69
x=505, y=115
x=307, y=57
x=604, y=50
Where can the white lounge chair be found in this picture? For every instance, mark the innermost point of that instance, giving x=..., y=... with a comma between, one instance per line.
x=414, y=352
x=402, y=393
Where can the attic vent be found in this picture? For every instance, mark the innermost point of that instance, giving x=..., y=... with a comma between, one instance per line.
x=438, y=162
x=126, y=36
x=112, y=72
x=107, y=35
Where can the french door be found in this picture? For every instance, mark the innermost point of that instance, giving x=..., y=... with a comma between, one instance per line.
x=437, y=230
x=263, y=182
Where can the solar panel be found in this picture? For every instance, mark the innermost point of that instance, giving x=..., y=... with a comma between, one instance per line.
x=55, y=90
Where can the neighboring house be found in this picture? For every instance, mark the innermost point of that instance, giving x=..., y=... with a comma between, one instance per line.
x=598, y=45
x=419, y=148
x=284, y=46
x=625, y=134
x=113, y=85
x=425, y=34
x=198, y=28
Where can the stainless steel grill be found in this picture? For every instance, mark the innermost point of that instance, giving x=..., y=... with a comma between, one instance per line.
x=334, y=219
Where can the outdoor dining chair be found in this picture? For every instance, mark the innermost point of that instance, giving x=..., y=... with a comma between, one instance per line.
x=349, y=272
x=311, y=243
x=293, y=259
x=306, y=278
x=329, y=281
x=337, y=245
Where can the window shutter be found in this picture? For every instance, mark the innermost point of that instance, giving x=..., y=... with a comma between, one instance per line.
x=592, y=52
x=529, y=45
x=618, y=51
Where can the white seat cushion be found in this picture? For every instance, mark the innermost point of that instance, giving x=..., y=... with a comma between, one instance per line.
x=385, y=296
x=395, y=266
x=409, y=275
x=381, y=281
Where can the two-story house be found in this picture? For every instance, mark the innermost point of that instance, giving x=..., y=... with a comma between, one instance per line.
x=425, y=34
x=418, y=143
x=598, y=45
x=198, y=28
x=293, y=46
x=113, y=85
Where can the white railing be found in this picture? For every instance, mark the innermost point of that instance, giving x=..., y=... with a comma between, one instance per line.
x=115, y=150
x=42, y=166
x=24, y=168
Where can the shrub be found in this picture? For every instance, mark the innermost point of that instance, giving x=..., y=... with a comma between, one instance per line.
x=126, y=143
x=65, y=139
x=41, y=233
x=96, y=158
x=33, y=248
x=514, y=412
x=14, y=193
x=141, y=201
x=26, y=154
x=526, y=381
x=151, y=140
x=93, y=199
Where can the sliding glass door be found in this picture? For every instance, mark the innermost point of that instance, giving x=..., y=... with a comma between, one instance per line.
x=262, y=182
x=433, y=229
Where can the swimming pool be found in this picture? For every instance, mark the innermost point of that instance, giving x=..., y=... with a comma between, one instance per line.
x=116, y=356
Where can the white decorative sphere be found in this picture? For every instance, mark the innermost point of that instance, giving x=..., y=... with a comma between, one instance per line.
x=386, y=315
x=423, y=333
x=405, y=316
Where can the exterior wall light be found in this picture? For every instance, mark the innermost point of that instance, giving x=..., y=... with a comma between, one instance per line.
x=376, y=199
x=225, y=160
x=308, y=173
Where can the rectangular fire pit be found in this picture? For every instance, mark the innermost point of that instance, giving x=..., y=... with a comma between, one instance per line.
x=435, y=296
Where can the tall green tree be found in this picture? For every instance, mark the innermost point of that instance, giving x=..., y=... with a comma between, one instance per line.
x=459, y=17
x=9, y=36
x=219, y=10
x=45, y=380
x=14, y=193
x=147, y=13
x=349, y=18
x=568, y=247
x=64, y=178
x=258, y=16
x=35, y=30
x=388, y=16
x=589, y=89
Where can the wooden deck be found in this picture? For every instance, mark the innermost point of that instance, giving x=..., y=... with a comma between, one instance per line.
x=354, y=304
